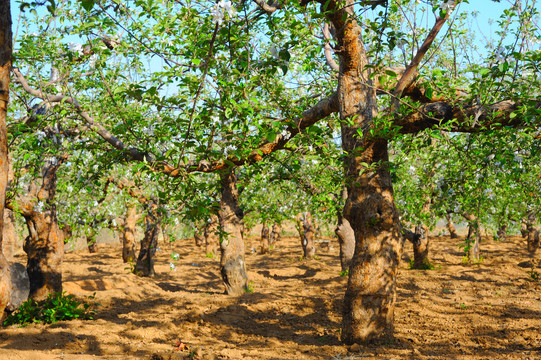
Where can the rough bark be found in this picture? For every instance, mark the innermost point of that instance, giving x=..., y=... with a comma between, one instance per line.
x=371, y=291
x=44, y=244
x=145, y=261
x=232, y=264
x=346, y=240
x=44, y=247
x=420, y=248
x=6, y=48
x=451, y=227
x=345, y=234
x=532, y=234
x=473, y=240
x=211, y=237
x=128, y=235
x=199, y=237
x=10, y=238
x=265, y=239
x=276, y=234
x=308, y=245
x=91, y=241
x=502, y=232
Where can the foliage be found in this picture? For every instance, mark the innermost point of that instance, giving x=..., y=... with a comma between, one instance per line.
x=57, y=307
x=534, y=275
x=427, y=265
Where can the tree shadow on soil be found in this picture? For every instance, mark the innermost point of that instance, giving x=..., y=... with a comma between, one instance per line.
x=49, y=339
x=309, y=329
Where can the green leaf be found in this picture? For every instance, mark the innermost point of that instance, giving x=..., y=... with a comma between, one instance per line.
x=87, y=4
x=271, y=136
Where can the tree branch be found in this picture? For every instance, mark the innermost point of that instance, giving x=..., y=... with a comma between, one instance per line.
x=328, y=50
x=268, y=7
x=436, y=114
x=409, y=76
x=134, y=153
x=309, y=117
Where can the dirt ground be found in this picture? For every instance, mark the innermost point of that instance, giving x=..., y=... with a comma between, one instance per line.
x=457, y=311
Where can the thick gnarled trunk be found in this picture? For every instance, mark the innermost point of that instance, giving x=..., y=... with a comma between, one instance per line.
x=45, y=249
x=370, y=296
x=531, y=233
x=91, y=244
x=232, y=265
x=211, y=235
x=451, y=227
x=473, y=239
x=276, y=234
x=308, y=245
x=346, y=240
x=371, y=292
x=10, y=238
x=345, y=235
x=145, y=261
x=6, y=48
x=501, y=234
x=127, y=235
x=420, y=248
x=265, y=239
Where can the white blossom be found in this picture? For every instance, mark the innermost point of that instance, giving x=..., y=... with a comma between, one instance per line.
x=75, y=47
x=274, y=52
x=175, y=256
x=220, y=9
x=40, y=135
x=228, y=7
x=172, y=267
x=92, y=60
x=39, y=206
x=217, y=15
x=447, y=5
x=500, y=55
x=285, y=134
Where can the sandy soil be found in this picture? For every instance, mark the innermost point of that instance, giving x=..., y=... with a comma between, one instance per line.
x=457, y=311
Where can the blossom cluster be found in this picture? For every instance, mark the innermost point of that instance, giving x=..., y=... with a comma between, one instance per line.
x=220, y=9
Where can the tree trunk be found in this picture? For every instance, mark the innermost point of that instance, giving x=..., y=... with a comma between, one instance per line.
x=45, y=249
x=308, y=247
x=91, y=240
x=473, y=244
x=371, y=292
x=265, y=239
x=451, y=227
x=420, y=248
x=502, y=232
x=6, y=48
x=128, y=235
x=44, y=244
x=199, y=237
x=276, y=234
x=530, y=232
x=524, y=228
x=10, y=238
x=232, y=264
x=211, y=237
x=346, y=240
x=370, y=296
x=145, y=261
x=345, y=234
